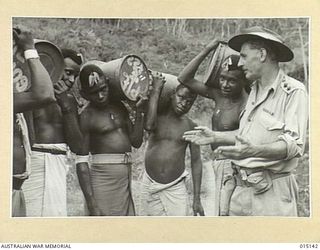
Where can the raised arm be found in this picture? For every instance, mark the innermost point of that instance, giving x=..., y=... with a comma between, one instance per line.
x=71, y=127
x=152, y=108
x=186, y=76
x=41, y=90
x=135, y=131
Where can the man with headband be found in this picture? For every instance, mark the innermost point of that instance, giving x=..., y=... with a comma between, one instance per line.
x=272, y=131
x=39, y=95
x=46, y=189
x=107, y=134
x=230, y=99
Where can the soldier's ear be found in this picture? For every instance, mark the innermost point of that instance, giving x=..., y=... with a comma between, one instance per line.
x=263, y=54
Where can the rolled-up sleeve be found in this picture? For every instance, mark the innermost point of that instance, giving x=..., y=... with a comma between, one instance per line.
x=296, y=122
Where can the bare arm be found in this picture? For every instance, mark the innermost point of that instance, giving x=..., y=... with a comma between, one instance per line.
x=136, y=130
x=83, y=167
x=41, y=90
x=71, y=127
x=196, y=168
x=152, y=108
x=186, y=76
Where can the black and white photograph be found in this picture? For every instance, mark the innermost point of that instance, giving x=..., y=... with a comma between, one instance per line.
x=160, y=117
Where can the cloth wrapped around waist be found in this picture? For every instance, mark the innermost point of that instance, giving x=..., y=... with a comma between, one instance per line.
x=170, y=199
x=110, y=179
x=155, y=187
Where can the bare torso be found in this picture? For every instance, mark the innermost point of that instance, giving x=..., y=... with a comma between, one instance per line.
x=108, y=131
x=48, y=126
x=165, y=155
x=226, y=115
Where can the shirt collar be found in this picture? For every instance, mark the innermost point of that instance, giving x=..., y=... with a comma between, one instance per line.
x=273, y=86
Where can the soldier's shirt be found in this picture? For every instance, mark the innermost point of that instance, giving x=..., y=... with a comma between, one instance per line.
x=280, y=112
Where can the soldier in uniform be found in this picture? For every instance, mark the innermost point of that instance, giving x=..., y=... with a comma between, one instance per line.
x=272, y=131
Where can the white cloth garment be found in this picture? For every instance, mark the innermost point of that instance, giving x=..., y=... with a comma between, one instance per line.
x=169, y=199
x=46, y=189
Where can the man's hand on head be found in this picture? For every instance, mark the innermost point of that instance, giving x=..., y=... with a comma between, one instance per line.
x=158, y=81
x=23, y=39
x=213, y=44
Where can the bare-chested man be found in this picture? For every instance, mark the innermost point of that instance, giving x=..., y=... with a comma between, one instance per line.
x=39, y=95
x=230, y=101
x=45, y=190
x=163, y=189
x=108, y=134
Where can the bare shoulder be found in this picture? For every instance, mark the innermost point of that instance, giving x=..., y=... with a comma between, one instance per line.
x=85, y=117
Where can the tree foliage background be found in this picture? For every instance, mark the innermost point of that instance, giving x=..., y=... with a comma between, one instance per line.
x=167, y=45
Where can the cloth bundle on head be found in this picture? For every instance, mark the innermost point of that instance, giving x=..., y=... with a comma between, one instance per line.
x=89, y=76
x=274, y=40
x=231, y=63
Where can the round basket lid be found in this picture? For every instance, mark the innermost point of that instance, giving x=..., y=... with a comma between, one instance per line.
x=134, y=77
x=213, y=70
x=51, y=58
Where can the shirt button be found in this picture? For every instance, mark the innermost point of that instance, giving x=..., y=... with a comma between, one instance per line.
x=285, y=85
x=252, y=103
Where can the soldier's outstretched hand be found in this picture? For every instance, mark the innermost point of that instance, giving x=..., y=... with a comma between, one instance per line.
x=201, y=135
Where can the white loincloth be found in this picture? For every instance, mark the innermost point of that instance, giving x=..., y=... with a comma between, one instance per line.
x=46, y=189
x=169, y=199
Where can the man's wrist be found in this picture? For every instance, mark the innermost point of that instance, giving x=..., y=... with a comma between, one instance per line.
x=31, y=54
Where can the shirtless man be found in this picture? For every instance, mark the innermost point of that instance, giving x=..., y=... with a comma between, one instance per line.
x=45, y=190
x=163, y=190
x=39, y=95
x=108, y=134
x=230, y=100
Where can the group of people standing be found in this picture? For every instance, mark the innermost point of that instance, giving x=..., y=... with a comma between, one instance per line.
x=258, y=133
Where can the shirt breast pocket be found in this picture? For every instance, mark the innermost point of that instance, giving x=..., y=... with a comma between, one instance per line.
x=271, y=127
